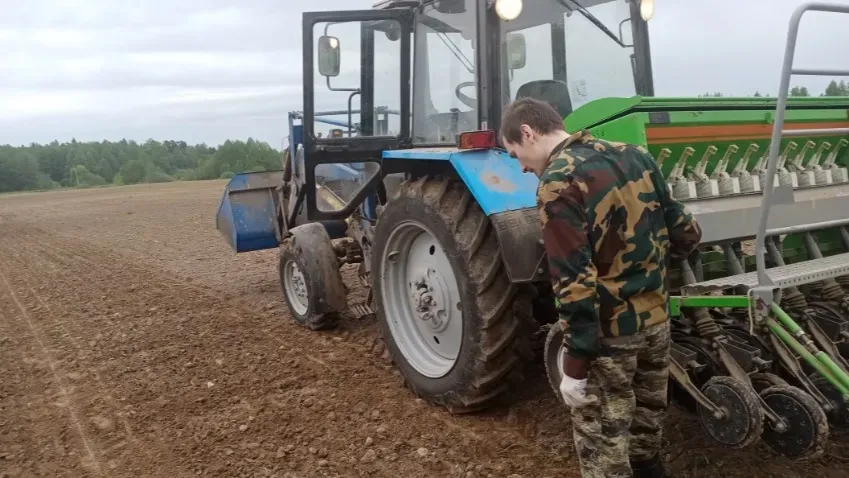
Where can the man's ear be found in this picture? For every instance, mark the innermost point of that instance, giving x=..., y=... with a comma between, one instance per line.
x=527, y=132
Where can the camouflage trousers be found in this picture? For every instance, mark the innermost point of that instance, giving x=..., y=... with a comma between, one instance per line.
x=629, y=377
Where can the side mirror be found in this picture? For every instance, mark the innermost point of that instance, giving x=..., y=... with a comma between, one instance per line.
x=516, y=51
x=328, y=56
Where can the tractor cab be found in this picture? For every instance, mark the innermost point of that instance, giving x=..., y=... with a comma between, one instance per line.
x=412, y=75
x=458, y=62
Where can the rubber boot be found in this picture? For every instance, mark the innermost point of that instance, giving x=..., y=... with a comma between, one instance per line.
x=651, y=468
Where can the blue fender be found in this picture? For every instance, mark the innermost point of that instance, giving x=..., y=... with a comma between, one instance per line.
x=506, y=195
x=494, y=178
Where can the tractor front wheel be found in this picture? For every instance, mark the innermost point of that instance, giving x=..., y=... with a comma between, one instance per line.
x=310, y=278
x=456, y=327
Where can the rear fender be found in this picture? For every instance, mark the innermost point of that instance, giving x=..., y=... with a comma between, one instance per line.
x=506, y=195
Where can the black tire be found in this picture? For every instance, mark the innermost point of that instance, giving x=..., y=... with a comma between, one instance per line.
x=497, y=322
x=310, y=249
x=839, y=415
x=764, y=380
x=807, y=424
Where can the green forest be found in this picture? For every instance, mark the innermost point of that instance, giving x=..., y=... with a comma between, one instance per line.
x=89, y=164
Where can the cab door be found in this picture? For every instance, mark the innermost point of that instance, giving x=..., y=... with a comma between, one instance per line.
x=356, y=103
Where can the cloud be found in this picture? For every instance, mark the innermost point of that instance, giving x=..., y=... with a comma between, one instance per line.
x=209, y=70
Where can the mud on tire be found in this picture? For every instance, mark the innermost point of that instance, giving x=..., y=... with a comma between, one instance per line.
x=309, y=255
x=496, y=315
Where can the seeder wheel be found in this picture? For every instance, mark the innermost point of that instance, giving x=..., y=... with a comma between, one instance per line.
x=764, y=380
x=806, y=424
x=743, y=419
x=839, y=416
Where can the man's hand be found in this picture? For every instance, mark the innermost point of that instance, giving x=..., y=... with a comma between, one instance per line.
x=574, y=392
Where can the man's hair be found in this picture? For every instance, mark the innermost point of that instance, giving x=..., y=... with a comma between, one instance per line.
x=539, y=115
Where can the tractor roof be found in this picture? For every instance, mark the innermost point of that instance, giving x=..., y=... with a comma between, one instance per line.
x=387, y=4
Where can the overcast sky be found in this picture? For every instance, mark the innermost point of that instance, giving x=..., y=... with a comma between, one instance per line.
x=209, y=70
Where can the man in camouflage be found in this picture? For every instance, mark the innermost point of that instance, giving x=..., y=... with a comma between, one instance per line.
x=609, y=225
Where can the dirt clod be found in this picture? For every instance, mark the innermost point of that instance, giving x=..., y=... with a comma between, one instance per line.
x=369, y=456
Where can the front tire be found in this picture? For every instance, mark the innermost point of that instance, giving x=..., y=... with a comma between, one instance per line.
x=310, y=279
x=456, y=327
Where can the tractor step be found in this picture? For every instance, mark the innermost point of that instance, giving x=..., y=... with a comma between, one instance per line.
x=360, y=310
x=797, y=274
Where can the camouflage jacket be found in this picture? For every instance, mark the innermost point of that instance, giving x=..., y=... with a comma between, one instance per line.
x=609, y=223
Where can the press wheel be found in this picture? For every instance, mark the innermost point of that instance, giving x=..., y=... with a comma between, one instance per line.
x=839, y=416
x=807, y=425
x=742, y=423
x=764, y=380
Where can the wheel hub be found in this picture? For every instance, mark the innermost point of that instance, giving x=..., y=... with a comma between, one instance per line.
x=429, y=296
x=298, y=283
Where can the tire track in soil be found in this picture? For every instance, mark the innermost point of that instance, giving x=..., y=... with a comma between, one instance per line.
x=394, y=437
x=60, y=383
x=28, y=397
x=101, y=400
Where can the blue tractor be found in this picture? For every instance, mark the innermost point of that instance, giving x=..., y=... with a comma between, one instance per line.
x=416, y=190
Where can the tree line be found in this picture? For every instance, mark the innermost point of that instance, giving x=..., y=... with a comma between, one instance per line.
x=88, y=164
x=833, y=89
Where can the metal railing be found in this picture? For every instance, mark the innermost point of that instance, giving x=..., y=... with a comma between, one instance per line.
x=787, y=70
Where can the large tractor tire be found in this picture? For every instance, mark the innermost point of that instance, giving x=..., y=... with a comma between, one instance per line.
x=455, y=326
x=310, y=279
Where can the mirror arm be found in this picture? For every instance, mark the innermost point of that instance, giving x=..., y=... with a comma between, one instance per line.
x=350, y=111
x=620, y=34
x=339, y=89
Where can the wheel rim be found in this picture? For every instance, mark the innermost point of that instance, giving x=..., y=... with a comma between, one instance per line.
x=561, y=355
x=296, y=287
x=421, y=300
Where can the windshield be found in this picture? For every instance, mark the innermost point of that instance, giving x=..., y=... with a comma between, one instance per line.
x=569, y=60
x=445, y=90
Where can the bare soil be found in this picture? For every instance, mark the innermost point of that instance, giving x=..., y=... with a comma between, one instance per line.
x=134, y=342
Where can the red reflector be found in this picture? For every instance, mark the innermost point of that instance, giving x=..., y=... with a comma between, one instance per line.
x=478, y=140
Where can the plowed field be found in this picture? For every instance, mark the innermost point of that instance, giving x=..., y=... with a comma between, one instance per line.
x=133, y=342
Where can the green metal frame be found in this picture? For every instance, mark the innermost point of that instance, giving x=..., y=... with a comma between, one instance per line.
x=785, y=328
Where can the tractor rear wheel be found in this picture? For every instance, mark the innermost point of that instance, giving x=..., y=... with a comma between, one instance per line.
x=456, y=327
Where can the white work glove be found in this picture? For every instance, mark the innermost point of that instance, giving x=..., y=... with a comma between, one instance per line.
x=574, y=392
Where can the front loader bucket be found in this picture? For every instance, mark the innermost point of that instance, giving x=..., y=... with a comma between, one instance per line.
x=247, y=213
